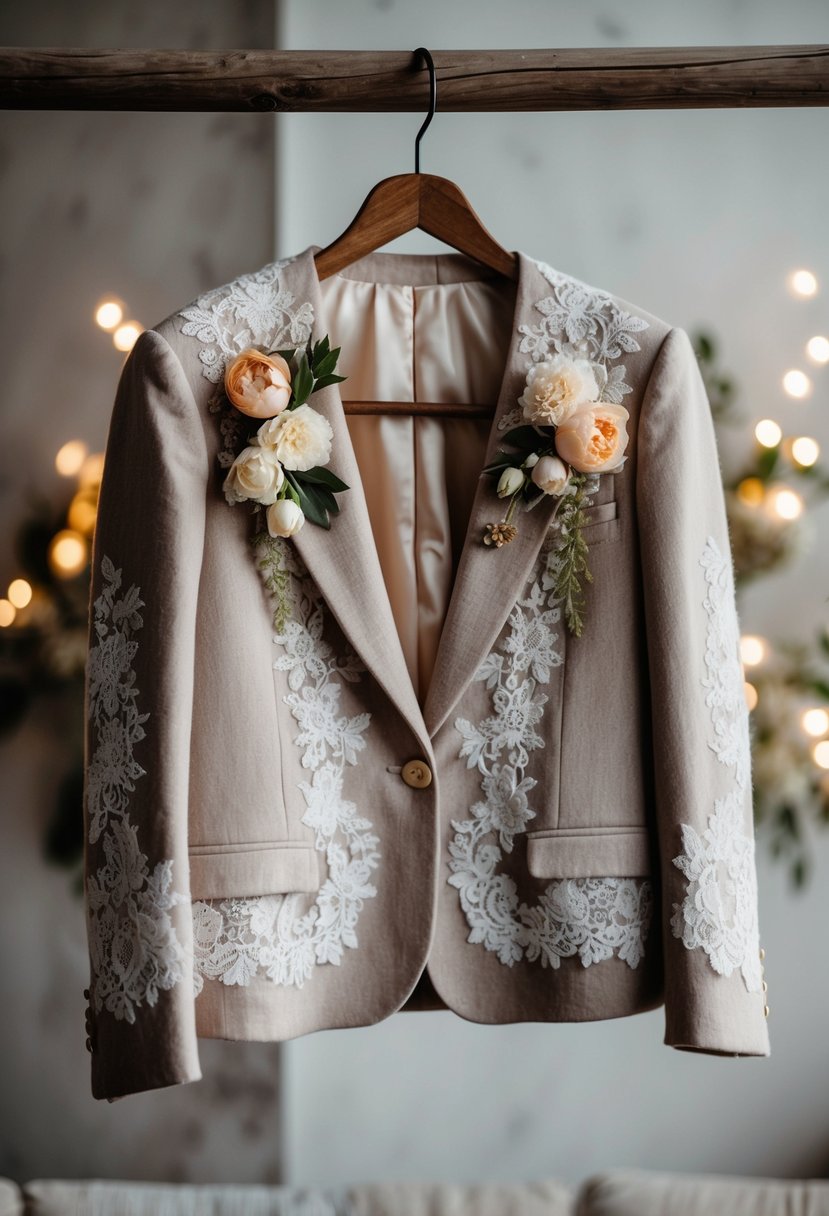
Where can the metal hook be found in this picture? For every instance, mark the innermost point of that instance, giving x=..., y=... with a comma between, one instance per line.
x=433, y=102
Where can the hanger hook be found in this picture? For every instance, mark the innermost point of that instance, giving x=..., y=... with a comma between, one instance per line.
x=433, y=101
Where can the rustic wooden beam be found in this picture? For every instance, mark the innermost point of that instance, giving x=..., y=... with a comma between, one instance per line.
x=632, y=78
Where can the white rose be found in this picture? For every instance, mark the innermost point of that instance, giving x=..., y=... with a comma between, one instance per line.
x=551, y=475
x=284, y=518
x=255, y=473
x=509, y=482
x=301, y=438
x=555, y=388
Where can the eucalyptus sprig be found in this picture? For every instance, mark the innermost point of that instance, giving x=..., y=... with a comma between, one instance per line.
x=571, y=555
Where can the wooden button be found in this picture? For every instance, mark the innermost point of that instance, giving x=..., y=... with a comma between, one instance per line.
x=417, y=774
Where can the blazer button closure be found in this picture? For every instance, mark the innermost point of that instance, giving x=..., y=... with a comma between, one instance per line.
x=417, y=774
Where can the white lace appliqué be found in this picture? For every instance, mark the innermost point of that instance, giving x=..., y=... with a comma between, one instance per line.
x=134, y=950
x=719, y=911
x=238, y=939
x=592, y=918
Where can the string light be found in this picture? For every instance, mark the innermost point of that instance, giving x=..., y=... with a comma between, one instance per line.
x=815, y=722
x=803, y=283
x=805, y=451
x=92, y=470
x=70, y=457
x=768, y=433
x=126, y=335
x=109, y=313
x=83, y=512
x=752, y=649
x=785, y=502
x=7, y=613
x=20, y=592
x=750, y=695
x=817, y=348
x=67, y=553
x=820, y=752
x=797, y=384
x=751, y=491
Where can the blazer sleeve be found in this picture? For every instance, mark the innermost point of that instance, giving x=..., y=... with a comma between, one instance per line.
x=146, y=560
x=714, y=987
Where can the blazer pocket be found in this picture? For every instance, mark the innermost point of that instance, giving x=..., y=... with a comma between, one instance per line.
x=591, y=853
x=601, y=522
x=241, y=870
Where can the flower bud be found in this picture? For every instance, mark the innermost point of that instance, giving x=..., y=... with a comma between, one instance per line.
x=510, y=481
x=284, y=517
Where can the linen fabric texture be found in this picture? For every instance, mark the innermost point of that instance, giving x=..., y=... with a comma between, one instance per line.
x=257, y=866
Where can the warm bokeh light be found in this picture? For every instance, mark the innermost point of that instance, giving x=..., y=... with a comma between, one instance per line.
x=751, y=491
x=821, y=753
x=768, y=433
x=805, y=450
x=797, y=383
x=785, y=502
x=752, y=649
x=92, y=470
x=815, y=722
x=20, y=592
x=750, y=695
x=109, y=313
x=7, y=613
x=67, y=553
x=817, y=348
x=70, y=457
x=82, y=512
x=126, y=335
x=803, y=283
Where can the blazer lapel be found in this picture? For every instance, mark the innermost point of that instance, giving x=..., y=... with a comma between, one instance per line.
x=343, y=561
x=490, y=579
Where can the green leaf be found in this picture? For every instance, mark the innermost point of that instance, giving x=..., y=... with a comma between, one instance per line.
x=308, y=500
x=326, y=365
x=323, y=477
x=320, y=351
x=286, y=354
x=303, y=382
x=326, y=380
x=529, y=438
x=502, y=460
x=821, y=687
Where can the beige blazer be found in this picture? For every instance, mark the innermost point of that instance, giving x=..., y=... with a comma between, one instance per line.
x=370, y=767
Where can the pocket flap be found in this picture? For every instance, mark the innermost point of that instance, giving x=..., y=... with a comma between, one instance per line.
x=568, y=853
x=241, y=870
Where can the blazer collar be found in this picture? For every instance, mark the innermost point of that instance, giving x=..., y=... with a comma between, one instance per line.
x=344, y=563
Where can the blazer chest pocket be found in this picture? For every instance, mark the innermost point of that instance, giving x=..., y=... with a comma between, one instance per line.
x=590, y=853
x=601, y=522
x=245, y=870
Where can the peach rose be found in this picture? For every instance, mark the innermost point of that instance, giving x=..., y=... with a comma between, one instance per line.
x=258, y=384
x=593, y=439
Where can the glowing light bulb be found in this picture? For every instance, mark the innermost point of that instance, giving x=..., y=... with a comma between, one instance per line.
x=751, y=491
x=797, y=384
x=70, y=457
x=82, y=513
x=817, y=348
x=820, y=752
x=803, y=283
x=7, y=613
x=805, y=450
x=815, y=722
x=20, y=592
x=785, y=503
x=67, y=553
x=752, y=649
x=768, y=433
x=92, y=470
x=126, y=335
x=750, y=695
x=109, y=313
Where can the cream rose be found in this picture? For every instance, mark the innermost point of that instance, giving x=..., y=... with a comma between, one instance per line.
x=555, y=388
x=594, y=438
x=258, y=384
x=284, y=518
x=301, y=438
x=551, y=475
x=255, y=473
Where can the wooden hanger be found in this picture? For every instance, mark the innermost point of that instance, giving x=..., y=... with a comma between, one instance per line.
x=397, y=205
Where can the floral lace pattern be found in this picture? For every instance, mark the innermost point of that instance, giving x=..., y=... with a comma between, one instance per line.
x=237, y=939
x=719, y=911
x=134, y=949
x=581, y=322
x=592, y=918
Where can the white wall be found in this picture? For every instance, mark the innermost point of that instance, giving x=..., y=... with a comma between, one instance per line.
x=698, y=217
